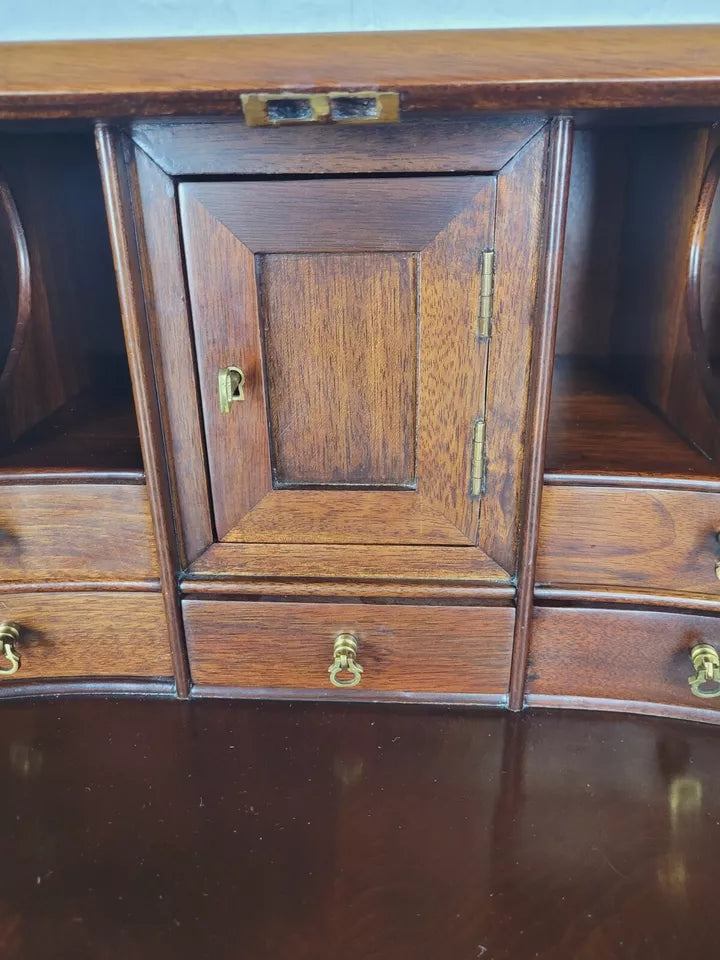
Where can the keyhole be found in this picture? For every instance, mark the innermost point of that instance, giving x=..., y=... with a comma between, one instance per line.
x=231, y=381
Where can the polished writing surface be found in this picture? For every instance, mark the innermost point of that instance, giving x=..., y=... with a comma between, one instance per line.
x=153, y=830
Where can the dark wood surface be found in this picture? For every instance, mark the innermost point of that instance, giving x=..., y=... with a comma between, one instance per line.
x=652, y=319
x=94, y=432
x=152, y=830
x=598, y=432
x=86, y=634
x=534, y=69
x=118, y=184
x=402, y=648
x=228, y=146
x=630, y=656
x=358, y=570
x=618, y=536
x=76, y=531
x=519, y=217
x=549, y=277
x=72, y=343
x=341, y=342
x=147, y=206
x=446, y=222
x=520, y=201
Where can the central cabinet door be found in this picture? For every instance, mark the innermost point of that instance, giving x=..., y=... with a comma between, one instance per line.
x=350, y=308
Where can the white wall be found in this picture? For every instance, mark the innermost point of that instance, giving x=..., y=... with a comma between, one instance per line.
x=66, y=19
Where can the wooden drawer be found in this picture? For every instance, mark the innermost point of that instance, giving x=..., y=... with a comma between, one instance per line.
x=87, y=635
x=76, y=532
x=408, y=649
x=608, y=536
x=622, y=655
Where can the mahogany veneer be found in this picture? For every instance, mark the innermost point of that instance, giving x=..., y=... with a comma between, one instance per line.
x=169, y=831
x=404, y=650
x=89, y=635
x=478, y=351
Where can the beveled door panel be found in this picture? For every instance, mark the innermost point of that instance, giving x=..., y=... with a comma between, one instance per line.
x=340, y=334
x=351, y=308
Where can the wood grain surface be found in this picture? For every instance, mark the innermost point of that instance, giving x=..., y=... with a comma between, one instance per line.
x=518, y=237
x=228, y=147
x=118, y=187
x=151, y=208
x=87, y=635
x=90, y=532
x=450, y=220
x=334, y=215
x=330, y=515
x=633, y=655
x=341, y=347
x=534, y=69
x=402, y=648
x=659, y=539
x=432, y=832
x=546, y=308
x=73, y=338
x=627, y=596
x=652, y=326
x=599, y=433
x=597, y=200
x=258, y=561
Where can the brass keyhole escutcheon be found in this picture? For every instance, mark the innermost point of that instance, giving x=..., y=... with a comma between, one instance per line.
x=706, y=662
x=9, y=636
x=231, y=387
x=345, y=654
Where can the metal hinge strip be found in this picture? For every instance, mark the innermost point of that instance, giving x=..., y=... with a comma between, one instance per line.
x=477, y=468
x=487, y=293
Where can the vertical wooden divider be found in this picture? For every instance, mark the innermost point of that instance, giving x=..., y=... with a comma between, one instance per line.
x=558, y=173
x=118, y=204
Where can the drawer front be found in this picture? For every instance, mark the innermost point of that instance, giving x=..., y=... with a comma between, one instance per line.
x=655, y=539
x=637, y=656
x=87, y=635
x=76, y=532
x=413, y=649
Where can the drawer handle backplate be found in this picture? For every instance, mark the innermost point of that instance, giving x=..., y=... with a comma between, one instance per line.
x=706, y=663
x=9, y=636
x=344, y=661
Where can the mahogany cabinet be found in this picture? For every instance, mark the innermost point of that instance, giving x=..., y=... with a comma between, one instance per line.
x=343, y=363
x=396, y=389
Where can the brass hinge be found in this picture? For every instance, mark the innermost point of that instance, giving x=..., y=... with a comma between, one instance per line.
x=487, y=293
x=477, y=468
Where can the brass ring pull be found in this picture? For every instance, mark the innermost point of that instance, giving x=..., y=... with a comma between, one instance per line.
x=706, y=663
x=9, y=636
x=345, y=653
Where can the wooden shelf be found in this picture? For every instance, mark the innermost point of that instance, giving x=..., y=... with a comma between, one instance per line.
x=599, y=433
x=91, y=433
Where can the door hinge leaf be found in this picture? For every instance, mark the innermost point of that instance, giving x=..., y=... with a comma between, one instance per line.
x=487, y=293
x=477, y=469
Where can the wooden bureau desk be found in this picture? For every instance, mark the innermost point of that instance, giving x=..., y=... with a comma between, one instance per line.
x=375, y=367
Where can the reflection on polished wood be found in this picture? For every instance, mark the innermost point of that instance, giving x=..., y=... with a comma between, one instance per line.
x=158, y=829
